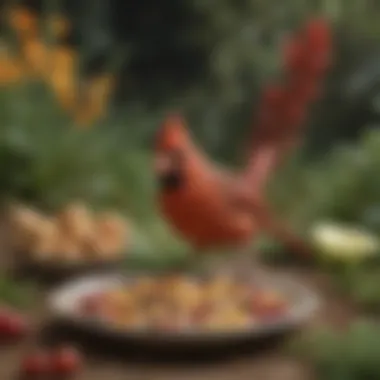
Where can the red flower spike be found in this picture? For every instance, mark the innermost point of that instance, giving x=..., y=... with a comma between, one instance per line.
x=272, y=99
x=293, y=56
x=306, y=58
x=318, y=63
x=269, y=118
x=273, y=95
x=318, y=35
x=319, y=46
x=294, y=115
x=305, y=90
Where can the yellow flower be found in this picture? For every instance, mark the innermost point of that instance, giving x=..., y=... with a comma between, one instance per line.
x=62, y=76
x=24, y=22
x=98, y=92
x=36, y=55
x=11, y=70
x=95, y=99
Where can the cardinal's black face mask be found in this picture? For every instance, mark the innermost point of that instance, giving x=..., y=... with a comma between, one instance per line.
x=173, y=177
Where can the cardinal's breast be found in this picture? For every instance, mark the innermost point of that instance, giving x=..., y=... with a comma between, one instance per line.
x=200, y=212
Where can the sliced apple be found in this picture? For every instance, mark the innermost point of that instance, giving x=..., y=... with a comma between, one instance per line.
x=344, y=243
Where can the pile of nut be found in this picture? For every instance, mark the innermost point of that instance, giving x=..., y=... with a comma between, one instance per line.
x=73, y=235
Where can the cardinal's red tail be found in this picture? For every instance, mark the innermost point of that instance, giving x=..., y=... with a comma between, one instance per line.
x=284, y=107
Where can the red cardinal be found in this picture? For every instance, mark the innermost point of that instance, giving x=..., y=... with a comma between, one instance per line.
x=213, y=208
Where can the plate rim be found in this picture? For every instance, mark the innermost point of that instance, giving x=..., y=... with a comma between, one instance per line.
x=299, y=314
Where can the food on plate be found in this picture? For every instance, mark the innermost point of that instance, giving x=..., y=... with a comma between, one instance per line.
x=228, y=318
x=74, y=235
x=180, y=302
x=268, y=304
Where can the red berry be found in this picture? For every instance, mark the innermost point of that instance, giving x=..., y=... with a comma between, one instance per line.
x=65, y=361
x=12, y=325
x=34, y=364
x=17, y=326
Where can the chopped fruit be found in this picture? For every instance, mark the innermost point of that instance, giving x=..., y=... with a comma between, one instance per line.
x=200, y=313
x=66, y=361
x=268, y=305
x=91, y=305
x=169, y=303
x=229, y=318
x=35, y=364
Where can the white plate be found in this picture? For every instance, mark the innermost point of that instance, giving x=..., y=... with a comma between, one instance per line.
x=64, y=302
